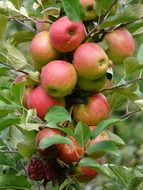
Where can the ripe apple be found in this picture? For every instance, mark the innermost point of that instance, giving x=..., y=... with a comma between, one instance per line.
x=84, y=173
x=42, y=25
x=89, y=9
x=90, y=61
x=69, y=154
x=41, y=49
x=103, y=136
x=96, y=110
x=52, y=151
x=121, y=44
x=66, y=35
x=42, y=101
x=91, y=85
x=58, y=78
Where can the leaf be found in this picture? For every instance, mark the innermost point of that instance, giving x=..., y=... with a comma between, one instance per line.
x=102, y=126
x=14, y=182
x=140, y=55
x=26, y=148
x=134, y=183
x=7, y=160
x=8, y=121
x=103, y=146
x=56, y=139
x=5, y=109
x=132, y=65
x=57, y=114
x=73, y=9
x=115, y=139
x=82, y=133
x=3, y=23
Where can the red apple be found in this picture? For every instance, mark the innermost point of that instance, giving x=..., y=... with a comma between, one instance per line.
x=89, y=9
x=52, y=151
x=96, y=110
x=69, y=154
x=58, y=78
x=84, y=173
x=66, y=35
x=41, y=49
x=42, y=101
x=121, y=44
x=90, y=61
x=91, y=85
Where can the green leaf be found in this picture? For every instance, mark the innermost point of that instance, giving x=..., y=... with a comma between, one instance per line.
x=73, y=10
x=140, y=54
x=56, y=139
x=5, y=109
x=7, y=160
x=16, y=38
x=57, y=114
x=3, y=23
x=8, y=121
x=14, y=182
x=115, y=139
x=103, y=146
x=132, y=65
x=134, y=183
x=82, y=133
x=26, y=148
x=102, y=126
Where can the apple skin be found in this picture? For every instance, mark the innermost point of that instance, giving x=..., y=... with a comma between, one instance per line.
x=69, y=154
x=121, y=44
x=96, y=110
x=91, y=85
x=84, y=174
x=42, y=101
x=42, y=25
x=66, y=35
x=41, y=49
x=58, y=78
x=26, y=94
x=90, y=61
x=89, y=9
x=52, y=151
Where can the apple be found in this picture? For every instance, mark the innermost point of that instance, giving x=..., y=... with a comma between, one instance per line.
x=66, y=35
x=41, y=49
x=103, y=136
x=90, y=61
x=95, y=110
x=52, y=151
x=89, y=9
x=58, y=78
x=69, y=154
x=91, y=85
x=84, y=173
x=42, y=101
x=121, y=44
x=26, y=94
x=42, y=25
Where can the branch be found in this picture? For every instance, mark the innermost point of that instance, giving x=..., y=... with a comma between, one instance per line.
x=122, y=85
x=12, y=68
x=129, y=114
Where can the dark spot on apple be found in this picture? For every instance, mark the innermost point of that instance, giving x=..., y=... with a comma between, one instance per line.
x=101, y=62
x=52, y=90
x=89, y=8
x=71, y=32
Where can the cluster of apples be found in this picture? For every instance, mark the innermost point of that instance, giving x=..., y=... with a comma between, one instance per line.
x=67, y=62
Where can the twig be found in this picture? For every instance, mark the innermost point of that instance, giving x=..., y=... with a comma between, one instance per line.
x=122, y=85
x=129, y=114
x=12, y=68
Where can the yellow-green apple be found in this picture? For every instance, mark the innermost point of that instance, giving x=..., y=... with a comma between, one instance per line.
x=52, y=151
x=84, y=174
x=89, y=9
x=66, y=35
x=70, y=153
x=58, y=78
x=42, y=25
x=95, y=110
x=90, y=61
x=121, y=44
x=91, y=85
x=41, y=49
x=42, y=101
